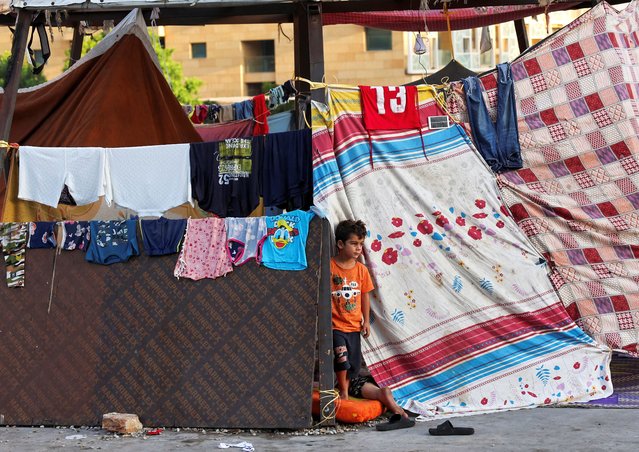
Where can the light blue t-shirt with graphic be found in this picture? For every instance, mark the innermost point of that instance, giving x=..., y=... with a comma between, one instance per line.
x=285, y=244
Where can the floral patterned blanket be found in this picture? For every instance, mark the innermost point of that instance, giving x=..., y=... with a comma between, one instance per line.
x=464, y=318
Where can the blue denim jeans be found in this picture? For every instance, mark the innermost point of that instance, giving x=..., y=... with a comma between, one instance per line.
x=498, y=143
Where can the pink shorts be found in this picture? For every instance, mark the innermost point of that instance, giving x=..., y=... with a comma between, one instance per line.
x=204, y=252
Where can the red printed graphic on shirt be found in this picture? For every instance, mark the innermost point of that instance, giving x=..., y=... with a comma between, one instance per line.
x=390, y=107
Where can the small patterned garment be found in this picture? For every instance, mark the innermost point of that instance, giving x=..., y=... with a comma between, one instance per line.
x=42, y=235
x=76, y=235
x=13, y=240
x=204, y=252
x=244, y=239
x=112, y=241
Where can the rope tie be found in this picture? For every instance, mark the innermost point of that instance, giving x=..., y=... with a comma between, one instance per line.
x=333, y=395
x=450, y=32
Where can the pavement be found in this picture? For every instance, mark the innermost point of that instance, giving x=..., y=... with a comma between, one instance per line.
x=539, y=429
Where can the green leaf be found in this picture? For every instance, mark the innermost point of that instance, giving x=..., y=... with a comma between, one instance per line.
x=27, y=78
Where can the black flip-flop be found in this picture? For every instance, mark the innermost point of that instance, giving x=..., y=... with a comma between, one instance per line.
x=446, y=428
x=395, y=422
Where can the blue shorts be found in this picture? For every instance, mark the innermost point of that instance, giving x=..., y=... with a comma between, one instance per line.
x=162, y=236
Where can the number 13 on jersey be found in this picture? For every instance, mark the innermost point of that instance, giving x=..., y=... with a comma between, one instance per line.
x=390, y=107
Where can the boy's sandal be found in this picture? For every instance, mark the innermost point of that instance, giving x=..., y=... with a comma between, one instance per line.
x=446, y=428
x=395, y=422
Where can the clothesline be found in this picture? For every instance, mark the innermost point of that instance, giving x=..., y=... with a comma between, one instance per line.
x=207, y=247
x=255, y=108
x=226, y=177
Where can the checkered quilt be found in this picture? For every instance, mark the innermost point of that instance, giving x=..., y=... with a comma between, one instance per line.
x=576, y=197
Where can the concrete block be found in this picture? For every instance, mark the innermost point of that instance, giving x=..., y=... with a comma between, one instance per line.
x=121, y=423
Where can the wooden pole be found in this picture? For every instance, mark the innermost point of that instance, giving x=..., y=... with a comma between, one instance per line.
x=522, y=36
x=76, y=44
x=325, y=331
x=309, y=48
x=14, y=71
x=309, y=63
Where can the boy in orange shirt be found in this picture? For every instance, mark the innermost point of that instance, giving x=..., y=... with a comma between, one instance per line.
x=350, y=287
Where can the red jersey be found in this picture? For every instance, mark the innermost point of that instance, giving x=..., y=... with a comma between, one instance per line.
x=390, y=107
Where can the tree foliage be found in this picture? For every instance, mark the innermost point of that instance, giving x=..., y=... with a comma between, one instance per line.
x=184, y=88
x=27, y=78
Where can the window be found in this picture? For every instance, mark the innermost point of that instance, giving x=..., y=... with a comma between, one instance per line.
x=253, y=89
x=465, y=37
x=198, y=50
x=466, y=48
x=509, y=48
x=487, y=59
x=259, y=56
x=378, y=39
x=467, y=51
x=443, y=52
x=420, y=64
x=162, y=41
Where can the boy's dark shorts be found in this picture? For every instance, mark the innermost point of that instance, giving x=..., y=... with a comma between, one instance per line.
x=348, y=352
x=348, y=356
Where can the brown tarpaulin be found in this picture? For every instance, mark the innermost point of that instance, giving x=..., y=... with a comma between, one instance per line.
x=119, y=98
x=237, y=351
x=3, y=189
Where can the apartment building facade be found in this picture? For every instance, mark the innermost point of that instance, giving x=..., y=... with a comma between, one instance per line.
x=243, y=60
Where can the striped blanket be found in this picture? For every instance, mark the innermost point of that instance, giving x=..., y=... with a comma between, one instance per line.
x=464, y=318
x=577, y=196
